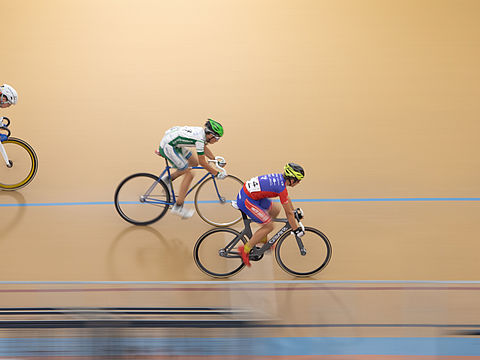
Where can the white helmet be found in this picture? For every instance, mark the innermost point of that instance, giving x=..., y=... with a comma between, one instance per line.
x=10, y=93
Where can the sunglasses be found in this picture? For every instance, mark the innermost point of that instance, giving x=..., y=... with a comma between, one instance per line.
x=215, y=136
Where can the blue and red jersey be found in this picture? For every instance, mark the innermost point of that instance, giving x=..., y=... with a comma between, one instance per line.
x=267, y=186
x=254, y=197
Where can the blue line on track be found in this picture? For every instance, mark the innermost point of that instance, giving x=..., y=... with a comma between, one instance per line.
x=411, y=199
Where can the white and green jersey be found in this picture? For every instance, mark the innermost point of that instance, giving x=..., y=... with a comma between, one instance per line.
x=185, y=136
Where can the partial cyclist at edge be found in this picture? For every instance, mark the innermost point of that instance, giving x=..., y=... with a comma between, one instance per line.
x=175, y=147
x=8, y=96
x=254, y=200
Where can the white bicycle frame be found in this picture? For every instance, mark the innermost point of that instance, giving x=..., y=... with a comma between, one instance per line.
x=2, y=148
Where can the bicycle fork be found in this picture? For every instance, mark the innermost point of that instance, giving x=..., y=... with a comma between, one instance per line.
x=303, y=251
x=4, y=154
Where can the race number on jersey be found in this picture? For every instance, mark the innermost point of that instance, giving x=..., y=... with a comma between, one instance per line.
x=253, y=185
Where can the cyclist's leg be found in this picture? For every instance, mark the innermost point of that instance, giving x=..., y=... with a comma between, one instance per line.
x=179, y=158
x=258, y=211
x=191, y=160
x=274, y=210
x=187, y=180
x=187, y=175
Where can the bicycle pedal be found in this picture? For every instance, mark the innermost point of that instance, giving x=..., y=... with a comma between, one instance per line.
x=256, y=257
x=255, y=254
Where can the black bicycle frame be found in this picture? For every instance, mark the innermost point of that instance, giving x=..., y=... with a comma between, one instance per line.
x=257, y=251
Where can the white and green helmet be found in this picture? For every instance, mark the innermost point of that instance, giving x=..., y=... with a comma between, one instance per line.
x=214, y=127
x=9, y=93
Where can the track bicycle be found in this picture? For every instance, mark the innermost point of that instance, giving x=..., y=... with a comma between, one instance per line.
x=216, y=251
x=20, y=161
x=143, y=198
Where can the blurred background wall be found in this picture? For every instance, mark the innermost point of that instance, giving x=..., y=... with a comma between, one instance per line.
x=375, y=98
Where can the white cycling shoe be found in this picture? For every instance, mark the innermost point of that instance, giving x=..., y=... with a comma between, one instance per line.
x=183, y=212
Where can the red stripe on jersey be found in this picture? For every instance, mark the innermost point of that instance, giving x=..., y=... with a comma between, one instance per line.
x=258, y=212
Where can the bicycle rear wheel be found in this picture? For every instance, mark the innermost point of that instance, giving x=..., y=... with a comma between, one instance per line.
x=23, y=164
x=213, y=200
x=215, y=252
x=318, y=253
x=141, y=199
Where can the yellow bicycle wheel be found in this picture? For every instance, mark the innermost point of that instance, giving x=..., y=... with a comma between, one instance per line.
x=22, y=167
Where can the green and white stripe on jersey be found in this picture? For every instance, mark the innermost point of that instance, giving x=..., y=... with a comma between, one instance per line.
x=186, y=136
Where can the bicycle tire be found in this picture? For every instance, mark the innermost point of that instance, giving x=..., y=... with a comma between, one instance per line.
x=315, y=242
x=216, y=242
x=126, y=206
x=215, y=211
x=15, y=149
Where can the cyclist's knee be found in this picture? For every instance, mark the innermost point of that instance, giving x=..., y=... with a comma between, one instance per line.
x=268, y=226
x=188, y=173
x=183, y=168
x=274, y=210
x=192, y=161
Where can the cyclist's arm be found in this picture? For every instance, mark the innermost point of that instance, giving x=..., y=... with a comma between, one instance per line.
x=290, y=212
x=208, y=153
x=202, y=159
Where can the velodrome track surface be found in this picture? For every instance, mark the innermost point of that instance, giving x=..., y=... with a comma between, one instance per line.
x=379, y=103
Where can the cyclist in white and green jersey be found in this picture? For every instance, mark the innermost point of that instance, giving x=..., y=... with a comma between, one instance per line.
x=175, y=146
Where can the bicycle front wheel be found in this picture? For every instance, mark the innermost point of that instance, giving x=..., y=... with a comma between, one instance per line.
x=216, y=254
x=22, y=167
x=213, y=200
x=141, y=199
x=318, y=252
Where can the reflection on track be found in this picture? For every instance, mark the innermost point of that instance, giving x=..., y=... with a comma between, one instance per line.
x=10, y=217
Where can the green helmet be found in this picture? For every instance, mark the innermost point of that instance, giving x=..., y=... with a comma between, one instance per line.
x=295, y=171
x=211, y=126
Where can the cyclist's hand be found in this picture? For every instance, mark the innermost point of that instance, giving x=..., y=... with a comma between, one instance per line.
x=299, y=232
x=299, y=213
x=220, y=161
x=222, y=175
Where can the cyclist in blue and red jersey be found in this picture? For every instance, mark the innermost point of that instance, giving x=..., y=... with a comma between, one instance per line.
x=254, y=200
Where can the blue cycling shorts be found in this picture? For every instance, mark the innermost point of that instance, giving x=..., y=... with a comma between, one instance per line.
x=257, y=210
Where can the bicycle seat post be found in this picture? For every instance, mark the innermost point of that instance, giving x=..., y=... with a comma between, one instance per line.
x=247, y=227
x=167, y=169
